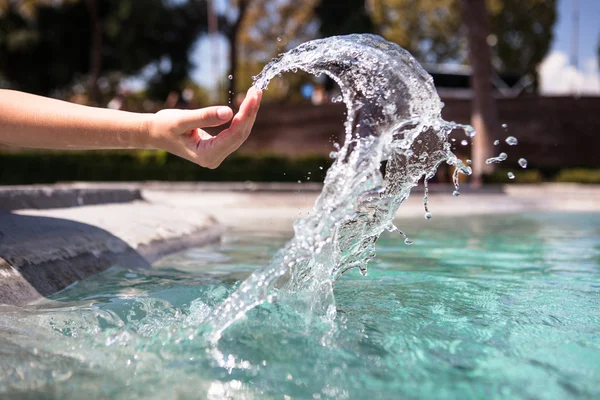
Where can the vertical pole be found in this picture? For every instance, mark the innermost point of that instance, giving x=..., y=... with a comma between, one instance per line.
x=213, y=29
x=95, y=52
x=484, y=115
x=575, y=45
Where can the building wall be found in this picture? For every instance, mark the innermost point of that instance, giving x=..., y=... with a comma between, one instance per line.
x=553, y=132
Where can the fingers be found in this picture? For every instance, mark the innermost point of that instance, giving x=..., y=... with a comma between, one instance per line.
x=204, y=117
x=231, y=139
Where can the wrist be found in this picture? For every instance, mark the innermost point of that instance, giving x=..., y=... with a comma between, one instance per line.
x=143, y=137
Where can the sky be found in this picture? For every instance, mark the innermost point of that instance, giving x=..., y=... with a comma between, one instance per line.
x=557, y=75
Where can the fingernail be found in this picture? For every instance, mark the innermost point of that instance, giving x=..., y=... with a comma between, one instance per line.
x=223, y=113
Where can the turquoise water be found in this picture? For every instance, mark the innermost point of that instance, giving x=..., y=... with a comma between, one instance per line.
x=479, y=307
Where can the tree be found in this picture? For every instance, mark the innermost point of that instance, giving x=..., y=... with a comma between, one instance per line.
x=430, y=30
x=343, y=17
x=522, y=31
x=483, y=117
x=433, y=30
x=51, y=46
x=270, y=28
x=231, y=21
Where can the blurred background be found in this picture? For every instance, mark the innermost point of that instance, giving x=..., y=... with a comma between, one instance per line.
x=525, y=68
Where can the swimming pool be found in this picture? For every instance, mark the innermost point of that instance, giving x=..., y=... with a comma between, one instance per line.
x=504, y=306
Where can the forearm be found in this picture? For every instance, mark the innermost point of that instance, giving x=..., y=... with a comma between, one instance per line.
x=32, y=121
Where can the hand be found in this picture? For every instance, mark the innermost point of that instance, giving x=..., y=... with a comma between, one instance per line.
x=179, y=131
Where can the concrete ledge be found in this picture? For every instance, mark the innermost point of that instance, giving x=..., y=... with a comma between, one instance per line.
x=44, y=250
x=60, y=196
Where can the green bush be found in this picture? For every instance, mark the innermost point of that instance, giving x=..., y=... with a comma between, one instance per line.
x=51, y=167
x=579, y=175
x=521, y=176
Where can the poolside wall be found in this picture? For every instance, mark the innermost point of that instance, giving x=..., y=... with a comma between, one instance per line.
x=552, y=131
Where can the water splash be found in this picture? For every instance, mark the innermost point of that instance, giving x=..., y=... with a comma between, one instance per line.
x=394, y=115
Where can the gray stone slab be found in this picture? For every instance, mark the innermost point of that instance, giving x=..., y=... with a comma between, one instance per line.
x=60, y=196
x=44, y=251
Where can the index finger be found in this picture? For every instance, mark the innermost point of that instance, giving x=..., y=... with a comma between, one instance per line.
x=230, y=139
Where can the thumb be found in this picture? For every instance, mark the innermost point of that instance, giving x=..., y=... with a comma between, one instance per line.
x=203, y=117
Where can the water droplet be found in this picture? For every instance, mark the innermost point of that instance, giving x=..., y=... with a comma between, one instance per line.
x=278, y=39
x=496, y=142
x=299, y=181
x=501, y=157
x=469, y=162
x=511, y=175
x=456, y=193
x=504, y=126
x=408, y=242
x=321, y=168
x=333, y=154
x=230, y=77
x=427, y=215
x=464, y=143
x=523, y=162
x=512, y=141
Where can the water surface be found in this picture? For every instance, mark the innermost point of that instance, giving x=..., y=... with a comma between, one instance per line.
x=480, y=307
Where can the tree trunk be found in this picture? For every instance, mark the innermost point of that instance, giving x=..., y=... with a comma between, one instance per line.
x=233, y=42
x=95, y=52
x=484, y=115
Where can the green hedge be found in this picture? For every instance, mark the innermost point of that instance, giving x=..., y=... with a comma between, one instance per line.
x=579, y=175
x=50, y=167
x=521, y=176
x=570, y=175
x=33, y=167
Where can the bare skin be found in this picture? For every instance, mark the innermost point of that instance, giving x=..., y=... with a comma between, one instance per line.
x=32, y=121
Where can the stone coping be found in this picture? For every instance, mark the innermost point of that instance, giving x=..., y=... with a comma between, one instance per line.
x=53, y=236
x=59, y=196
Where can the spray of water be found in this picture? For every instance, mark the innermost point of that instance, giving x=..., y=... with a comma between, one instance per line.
x=394, y=115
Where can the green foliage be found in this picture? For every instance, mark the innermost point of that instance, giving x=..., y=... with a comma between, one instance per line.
x=430, y=30
x=269, y=28
x=46, y=47
x=579, y=175
x=51, y=167
x=569, y=175
x=523, y=32
x=521, y=176
x=343, y=17
x=433, y=30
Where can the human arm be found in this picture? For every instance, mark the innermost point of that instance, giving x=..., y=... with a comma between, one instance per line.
x=33, y=121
